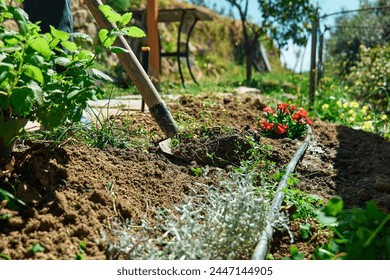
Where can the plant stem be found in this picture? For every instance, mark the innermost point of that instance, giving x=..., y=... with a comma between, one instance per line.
x=377, y=230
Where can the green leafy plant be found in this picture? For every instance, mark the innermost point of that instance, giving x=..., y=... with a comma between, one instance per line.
x=47, y=77
x=197, y=171
x=369, y=78
x=81, y=252
x=359, y=233
x=37, y=247
x=44, y=77
x=288, y=121
x=108, y=37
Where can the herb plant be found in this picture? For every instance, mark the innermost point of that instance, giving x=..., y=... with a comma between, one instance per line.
x=360, y=234
x=47, y=77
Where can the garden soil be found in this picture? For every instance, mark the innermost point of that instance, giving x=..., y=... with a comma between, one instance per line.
x=74, y=193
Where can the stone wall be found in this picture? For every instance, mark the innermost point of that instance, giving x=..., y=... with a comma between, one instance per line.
x=83, y=21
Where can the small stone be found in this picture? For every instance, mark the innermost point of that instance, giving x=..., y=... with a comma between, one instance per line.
x=382, y=184
x=247, y=90
x=384, y=201
x=16, y=222
x=28, y=194
x=363, y=195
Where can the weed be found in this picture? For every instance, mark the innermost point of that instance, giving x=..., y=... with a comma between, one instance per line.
x=81, y=252
x=11, y=201
x=37, y=247
x=5, y=256
x=295, y=254
x=197, y=171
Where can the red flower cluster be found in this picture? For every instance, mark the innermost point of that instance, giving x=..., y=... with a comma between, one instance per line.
x=266, y=125
x=281, y=128
x=286, y=121
x=302, y=117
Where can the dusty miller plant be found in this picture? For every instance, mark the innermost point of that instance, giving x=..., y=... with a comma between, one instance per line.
x=219, y=224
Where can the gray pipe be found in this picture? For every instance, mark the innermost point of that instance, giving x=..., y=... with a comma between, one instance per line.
x=262, y=247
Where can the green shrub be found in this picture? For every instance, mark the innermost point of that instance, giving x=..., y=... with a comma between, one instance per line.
x=369, y=79
x=120, y=5
x=359, y=233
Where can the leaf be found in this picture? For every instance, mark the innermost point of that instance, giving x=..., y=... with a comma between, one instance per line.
x=3, y=73
x=126, y=18
x=35, y=59
x=4, y=100
x=22, y=99
x=37, y=248
x=334, y=206
x=105, y=38
x=73, y=93
x=41, y=46
x=100, y=75
x=110, y=14
x=62, y=61
x=85, y=54
x=326, y=220
x=82, y=36
x=115, y=49
x=33, y=72
x=55, y=116
x=70, y=46
x=59, y=34
x=135, y=32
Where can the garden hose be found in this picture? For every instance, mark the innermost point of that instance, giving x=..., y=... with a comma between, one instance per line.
x=262, y=247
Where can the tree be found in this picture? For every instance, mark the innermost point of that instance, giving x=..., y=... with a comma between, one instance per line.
x=282, y=20
x=369, y=28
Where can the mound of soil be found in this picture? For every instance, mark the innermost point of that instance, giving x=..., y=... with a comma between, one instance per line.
x=72, y=193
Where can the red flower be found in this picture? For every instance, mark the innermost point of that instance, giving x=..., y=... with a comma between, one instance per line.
x=268, y=110
x=293, y=107
x=302, y=112
x=296, y=116
x=283, y=106
x=281, y=129
x=308, y=121
x=266, y=125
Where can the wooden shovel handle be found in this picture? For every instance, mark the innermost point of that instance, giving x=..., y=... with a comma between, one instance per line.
x=137, y=74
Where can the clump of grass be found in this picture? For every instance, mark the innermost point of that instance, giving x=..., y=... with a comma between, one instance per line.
x=217, y=224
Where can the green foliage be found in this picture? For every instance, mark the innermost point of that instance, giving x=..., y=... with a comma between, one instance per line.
x=369, y=78
x=12, y=201
x=121, y=5
x=108, y=37
x=306, y=204
x=197, y=171
x=282, y=20
x=334, y=104
x=32, y=85
x=37, y=247
x=46, y=77
x=362, y=234
x=368, y=28
x=82, y=248
x=5, y=256
x=295, y=254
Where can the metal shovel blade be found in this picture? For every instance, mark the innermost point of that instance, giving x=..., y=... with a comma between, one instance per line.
x=166, y=148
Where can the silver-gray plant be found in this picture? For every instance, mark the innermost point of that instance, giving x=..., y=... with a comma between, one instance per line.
x=223, y=223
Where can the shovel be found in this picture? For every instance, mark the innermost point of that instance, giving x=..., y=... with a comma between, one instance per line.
x=157, y=107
